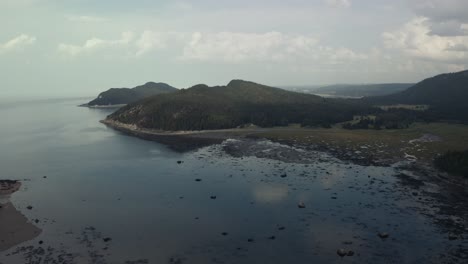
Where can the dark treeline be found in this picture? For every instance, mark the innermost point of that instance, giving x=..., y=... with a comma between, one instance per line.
x=116, y=96
x=454, y=162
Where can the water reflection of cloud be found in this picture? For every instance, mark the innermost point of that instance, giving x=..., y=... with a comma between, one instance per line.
x=332, y=176
x=267, y=193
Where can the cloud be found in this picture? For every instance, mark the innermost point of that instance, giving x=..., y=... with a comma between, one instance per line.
x=339, y=3
x=85, y=19
x=224, y=47
x=17, y=43
x=445, y=17
x=415, y=39
x=441, y=10
x=94, y=44
x=238, y=47
x=155, y=40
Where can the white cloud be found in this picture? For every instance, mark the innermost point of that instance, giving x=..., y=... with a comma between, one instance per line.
x=95, y=44
x=415, y=39
x=154, y=40
x=339, y=3
x=17, y=43
x=224, y=47
x=235, y=47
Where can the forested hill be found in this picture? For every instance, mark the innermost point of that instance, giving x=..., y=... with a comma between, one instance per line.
x=446, y=94
x=238, y=103
x=361, y=90
x=116, y=96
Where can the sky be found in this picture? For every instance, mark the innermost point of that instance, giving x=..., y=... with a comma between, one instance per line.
x=55, y=48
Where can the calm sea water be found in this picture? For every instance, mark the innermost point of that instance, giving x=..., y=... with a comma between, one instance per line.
x=102, y=184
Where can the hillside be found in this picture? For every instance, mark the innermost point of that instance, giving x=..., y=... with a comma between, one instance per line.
x=446, y=94
x=240, y=102
x=118, y=96
x=361, y=90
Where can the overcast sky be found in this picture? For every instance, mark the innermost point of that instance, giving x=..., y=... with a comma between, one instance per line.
x=81, y=47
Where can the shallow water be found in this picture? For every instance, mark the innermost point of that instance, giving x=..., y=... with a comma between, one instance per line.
x=101, y=183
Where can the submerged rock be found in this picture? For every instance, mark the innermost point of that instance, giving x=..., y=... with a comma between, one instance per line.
x=342, y=252
x=383, y=235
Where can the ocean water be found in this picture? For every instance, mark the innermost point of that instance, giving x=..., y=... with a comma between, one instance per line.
x=103, y=184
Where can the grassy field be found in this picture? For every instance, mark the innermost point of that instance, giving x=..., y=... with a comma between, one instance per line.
x=384, y=144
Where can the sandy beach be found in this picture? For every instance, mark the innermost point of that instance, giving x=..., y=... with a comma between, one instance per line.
x=15, y=228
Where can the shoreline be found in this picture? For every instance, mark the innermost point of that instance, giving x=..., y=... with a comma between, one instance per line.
x=103, y=106
x=363, y=147
x=15, y=228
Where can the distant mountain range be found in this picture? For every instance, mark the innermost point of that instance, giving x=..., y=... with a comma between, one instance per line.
x=352, y=90
x=121, y=96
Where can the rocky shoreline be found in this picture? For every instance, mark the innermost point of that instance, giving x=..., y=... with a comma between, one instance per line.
x=190, y=140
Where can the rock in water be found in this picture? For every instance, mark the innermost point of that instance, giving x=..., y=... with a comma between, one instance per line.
x=452, y=237
x=301, y=205
x=342, y=252
x=383, y=235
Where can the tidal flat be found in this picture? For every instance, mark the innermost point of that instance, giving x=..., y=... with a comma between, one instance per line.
x=101, y=196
